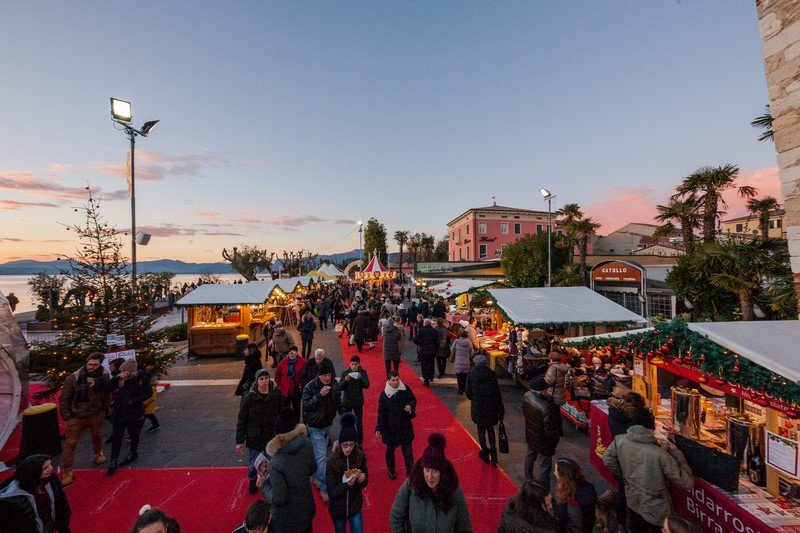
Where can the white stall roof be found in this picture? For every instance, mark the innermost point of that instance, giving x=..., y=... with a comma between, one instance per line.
x=459, y=286
x=331, y=269
x=255, y=292
x=772, y=344
x=560, y=305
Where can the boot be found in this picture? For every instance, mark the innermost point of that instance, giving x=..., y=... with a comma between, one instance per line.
x=129, y=459
x=99, y=458
x=484, y=455
x=253, y=488
x=493, y=455
x=392, y=474
x=67, y=479
x=112, y=467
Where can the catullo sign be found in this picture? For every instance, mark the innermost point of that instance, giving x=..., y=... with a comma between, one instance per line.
x=616, y=271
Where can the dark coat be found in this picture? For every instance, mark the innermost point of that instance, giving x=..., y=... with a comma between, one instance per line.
x=289, y=486
x=487, y=403
x=619, y=421
x=318, y=410
x=427, y=341
x=252, y=364
x=131, y=394
x=394, y=424
x=542, y=423
x=255, y=425
x=18, y=507
x=310, y=370
x=361, y=326
x=439, y=309
x=527, y=521
x=392, y=338
x=346, y=500
x=577, y=515
x=307, y=327
x=412, y=313
x=353, y=389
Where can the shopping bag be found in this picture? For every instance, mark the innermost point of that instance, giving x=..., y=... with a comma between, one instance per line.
x=502, y=444
x=352, y=340
x=339, y=328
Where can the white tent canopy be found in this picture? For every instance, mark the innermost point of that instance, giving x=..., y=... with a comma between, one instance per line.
x=331, y=270
x=560, y=305
x=771, y=344
x=253, y=293
x=454, y=287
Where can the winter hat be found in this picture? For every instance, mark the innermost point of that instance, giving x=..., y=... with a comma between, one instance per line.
x=279, y=324
x=463, y=323
x=479, y=360
x=325, y=367
x=433, y=456
x=643, y=417
x=390, y=322
x=285, y=421
x=260, y=372
x=129, y=365
x=539, y=384
x=348, y=431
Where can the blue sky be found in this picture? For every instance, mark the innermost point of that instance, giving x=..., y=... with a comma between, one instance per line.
x=284, y=122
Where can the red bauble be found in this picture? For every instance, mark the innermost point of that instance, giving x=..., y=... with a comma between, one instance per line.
x=702, y=379
x=670, y=341
x=679, y=360
x=641, y=356
x=763, y=402
x=736, y=368
x=656, y=331
x=719, y=381
x=650, y=354
x=702, y=358
x=791, y=413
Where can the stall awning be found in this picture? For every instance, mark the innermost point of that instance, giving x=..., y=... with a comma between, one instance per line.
x=455, y=287
x=252, y=293
x=331, y=270
x=561, y=305
x=771, y=344
x=375, y=266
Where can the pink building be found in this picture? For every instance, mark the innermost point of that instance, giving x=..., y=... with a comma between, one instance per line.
x=482, y=232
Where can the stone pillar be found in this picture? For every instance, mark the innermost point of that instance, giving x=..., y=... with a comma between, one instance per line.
x=779, y=22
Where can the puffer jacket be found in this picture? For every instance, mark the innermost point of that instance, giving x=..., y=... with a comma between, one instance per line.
x=318, y=410
x=486, y=407
x=556, y=377
x=527, y=521
x=353, y=389
x=427, y=341
x=361, y=326
x=423, y=515
x=392, y=339
x=542, y=424
x=462, y=353
x=289, y=486
x=255, y=425
x=18, y=508
x=252, y=364
x=346, y=500
x=281, y=341
x=647, y=468
x=307, y=328
x=131, y=395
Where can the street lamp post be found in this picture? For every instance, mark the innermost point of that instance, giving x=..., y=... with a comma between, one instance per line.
x=360, y=246
x=122, y=115
x=547, y=195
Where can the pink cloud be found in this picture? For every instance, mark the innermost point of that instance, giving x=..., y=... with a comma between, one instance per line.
x=620, y=205
x=13, y=205
x=171, y=230
x=766, y=180
x=25, y=182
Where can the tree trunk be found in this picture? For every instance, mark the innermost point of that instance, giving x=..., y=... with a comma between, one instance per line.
x=764, y=223
x=582, y=246
x=745, y=300
x=400, y=259
x=688, y=239
x=709, y=218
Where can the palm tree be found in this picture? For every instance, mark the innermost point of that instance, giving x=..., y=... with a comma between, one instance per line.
x=705, y=186
x=414, y=244
x=684, y=212
x=401, y=238
x=582, y=230
x=764, y=122
x=428, y=244
x=570, y=214
x=762, y=208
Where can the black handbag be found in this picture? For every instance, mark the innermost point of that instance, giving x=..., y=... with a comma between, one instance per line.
x=710, y=464
x=502, y=438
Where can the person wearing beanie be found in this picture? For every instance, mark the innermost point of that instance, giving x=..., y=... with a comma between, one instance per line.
x=392, y=346
x=83, y=404
x=353, y=381
x=542, y=432
x=288, y=376
x=255, y=425
x=133, y=388
x=346, y=476
x=321, y=402
x=292, y=464
x=396, y=409
x=431, y=500
x=486, y=406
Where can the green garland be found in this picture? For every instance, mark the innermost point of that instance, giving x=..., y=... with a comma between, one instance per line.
x=675, y=338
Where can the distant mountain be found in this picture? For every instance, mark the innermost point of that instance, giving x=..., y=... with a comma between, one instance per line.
x=29, y=267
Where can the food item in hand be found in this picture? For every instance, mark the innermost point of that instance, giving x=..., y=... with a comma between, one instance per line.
x=349, y=474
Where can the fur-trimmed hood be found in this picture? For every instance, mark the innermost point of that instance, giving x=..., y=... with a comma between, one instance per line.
x=283, y=440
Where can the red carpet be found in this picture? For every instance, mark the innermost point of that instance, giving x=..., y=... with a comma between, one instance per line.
x=486, y=488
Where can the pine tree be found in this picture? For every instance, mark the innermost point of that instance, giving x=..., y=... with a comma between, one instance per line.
x=101, y=271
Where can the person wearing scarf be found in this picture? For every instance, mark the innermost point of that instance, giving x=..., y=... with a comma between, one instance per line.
x=287, y=376
x=83, y=404
x=396, y=408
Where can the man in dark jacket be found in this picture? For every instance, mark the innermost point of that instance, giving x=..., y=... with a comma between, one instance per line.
x=361, y=329
x=255, y=425
x=486, y=408
x=83, y=403
x=427, y=341
x=321, y=402
x=307, y=327
x=542, y=431
x=133, y=386
x=397, y=407
x=392, y=346
x=439, y=309
x=443, y=348
x=311, y=368
x=352, y=383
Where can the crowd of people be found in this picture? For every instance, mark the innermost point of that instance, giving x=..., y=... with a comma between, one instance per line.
x=290, y=401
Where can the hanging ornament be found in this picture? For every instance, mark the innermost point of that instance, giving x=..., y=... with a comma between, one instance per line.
x=641, y=356
x=679, y=359
x=702, y=379
x=702, y=358
x=791, y=413
x=719, y=381
x=736, y=365
x=671, y=341
x=763, y=402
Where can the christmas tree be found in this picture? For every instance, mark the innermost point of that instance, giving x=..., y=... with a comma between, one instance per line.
x=107, y=307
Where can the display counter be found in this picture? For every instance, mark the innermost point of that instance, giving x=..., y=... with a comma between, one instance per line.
x=750, y=509
x=213, y=329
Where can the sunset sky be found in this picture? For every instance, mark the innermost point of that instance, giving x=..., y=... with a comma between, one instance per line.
x=283, y=123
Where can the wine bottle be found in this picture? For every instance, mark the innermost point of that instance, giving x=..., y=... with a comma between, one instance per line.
x=756, y=468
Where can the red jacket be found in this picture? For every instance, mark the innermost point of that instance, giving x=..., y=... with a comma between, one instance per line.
x=289, y=387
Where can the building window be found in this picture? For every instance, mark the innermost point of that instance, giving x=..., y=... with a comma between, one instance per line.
x=467, y=253
x=504, y=228
x=538, y=228
x=739, y=228
x=778, y=223
x=516, y=216
x=459, y=235
x=467, y=229
x=517, y=228
x=481, y=227
x=560, y=232
x=482, y=251
x=459, y=254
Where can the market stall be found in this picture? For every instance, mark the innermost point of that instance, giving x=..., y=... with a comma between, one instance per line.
x=572, y=310
x=375, y=273
x=727, y=394
x=460, y=292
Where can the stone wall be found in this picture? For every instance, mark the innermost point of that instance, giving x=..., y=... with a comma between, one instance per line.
x=779, y=22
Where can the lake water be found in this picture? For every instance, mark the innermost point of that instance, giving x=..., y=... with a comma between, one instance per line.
x=19, y=286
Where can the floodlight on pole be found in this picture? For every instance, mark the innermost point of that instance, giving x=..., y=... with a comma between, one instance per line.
x=122, y=114
x=547, y=195
x=360, y=232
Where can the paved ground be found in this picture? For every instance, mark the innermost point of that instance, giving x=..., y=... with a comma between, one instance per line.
x=198, y=416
